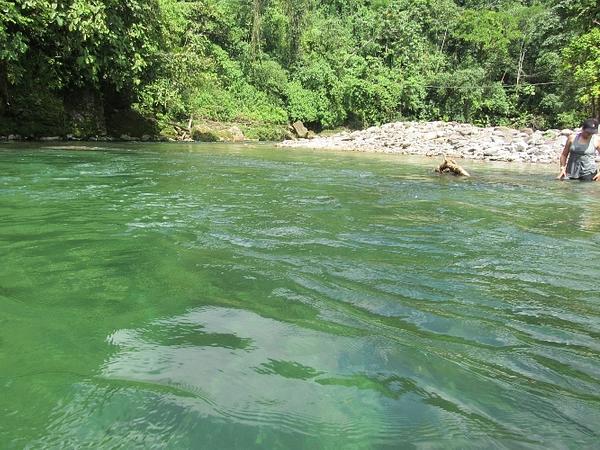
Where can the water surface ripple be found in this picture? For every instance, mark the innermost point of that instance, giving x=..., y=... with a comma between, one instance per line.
x=206, y=296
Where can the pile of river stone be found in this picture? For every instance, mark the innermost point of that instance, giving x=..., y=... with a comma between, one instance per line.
x=453, y=139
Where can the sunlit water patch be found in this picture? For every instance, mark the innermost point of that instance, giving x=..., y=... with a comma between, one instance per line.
x=171, y=296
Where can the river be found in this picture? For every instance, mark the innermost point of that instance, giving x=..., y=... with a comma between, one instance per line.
x=243, y=297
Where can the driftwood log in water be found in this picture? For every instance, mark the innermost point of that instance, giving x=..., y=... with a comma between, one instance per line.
x=450, y=166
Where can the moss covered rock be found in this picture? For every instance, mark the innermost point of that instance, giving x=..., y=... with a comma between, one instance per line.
x=85, y=113
x=33, y=112
x=130, y=123
x=204, y=133
x=265, y=132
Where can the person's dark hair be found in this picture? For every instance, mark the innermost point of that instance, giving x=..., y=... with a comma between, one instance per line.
x=590, y=125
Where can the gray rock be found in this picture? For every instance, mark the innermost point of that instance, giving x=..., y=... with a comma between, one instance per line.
x=490, y=151
x=300, y=130
x=519, y=146
x=236, y=133
x=503, y=129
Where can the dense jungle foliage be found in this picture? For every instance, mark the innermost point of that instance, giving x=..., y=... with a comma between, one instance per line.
x=85, y=66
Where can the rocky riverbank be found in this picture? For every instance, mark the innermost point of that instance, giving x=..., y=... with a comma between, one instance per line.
x=129, y=126
x=453, y=139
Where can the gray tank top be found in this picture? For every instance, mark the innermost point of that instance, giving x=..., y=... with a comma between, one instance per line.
x=582, y=158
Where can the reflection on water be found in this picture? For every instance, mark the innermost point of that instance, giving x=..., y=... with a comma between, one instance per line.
x=233, y=366
x=168, y=296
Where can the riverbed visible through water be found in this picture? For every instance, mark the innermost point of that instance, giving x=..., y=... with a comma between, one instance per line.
x=245, y=297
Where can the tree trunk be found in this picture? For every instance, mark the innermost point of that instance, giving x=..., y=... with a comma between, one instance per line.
x=443, y=44
x=4, y=100
x=295, y=10
x=255, y=37
x=521, y=60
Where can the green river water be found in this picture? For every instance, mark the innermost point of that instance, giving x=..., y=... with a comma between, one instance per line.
x=244, y=297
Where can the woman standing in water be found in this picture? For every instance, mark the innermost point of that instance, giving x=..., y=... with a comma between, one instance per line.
x=581, y=152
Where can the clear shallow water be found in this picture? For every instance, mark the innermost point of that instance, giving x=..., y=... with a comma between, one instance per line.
x=173, y=296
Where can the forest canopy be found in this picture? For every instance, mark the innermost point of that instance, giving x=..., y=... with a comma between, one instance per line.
x=67, y=65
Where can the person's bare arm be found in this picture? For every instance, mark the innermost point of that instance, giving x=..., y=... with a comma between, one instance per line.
x=563, y=158
x=597, y=177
